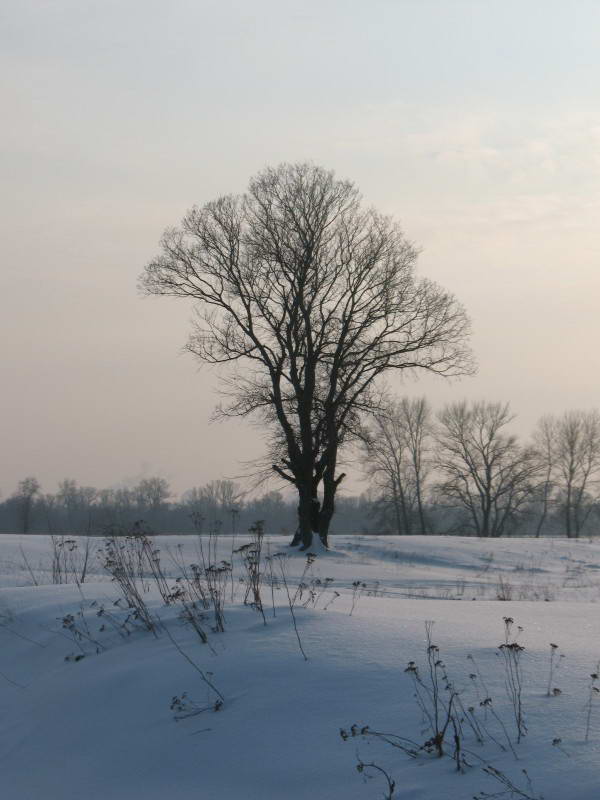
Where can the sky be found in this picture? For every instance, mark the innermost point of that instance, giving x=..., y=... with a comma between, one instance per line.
x=475, y=123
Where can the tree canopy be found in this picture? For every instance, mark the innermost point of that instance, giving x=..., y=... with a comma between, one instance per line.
x=310, y=298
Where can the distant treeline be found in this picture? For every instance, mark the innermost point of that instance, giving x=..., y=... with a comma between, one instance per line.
x=460, y=471
x=218, y=506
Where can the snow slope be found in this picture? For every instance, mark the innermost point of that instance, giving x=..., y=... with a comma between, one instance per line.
x=102, y=726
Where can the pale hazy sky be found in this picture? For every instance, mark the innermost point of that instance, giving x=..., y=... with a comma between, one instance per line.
x=476, y=123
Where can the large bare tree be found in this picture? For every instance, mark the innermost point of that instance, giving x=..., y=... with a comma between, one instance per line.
x=310, y=298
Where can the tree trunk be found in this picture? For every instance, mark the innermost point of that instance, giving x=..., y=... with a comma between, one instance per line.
x=297, y=538
x=420, y=504
x=25, y=515
x=397, y=509
x=568, y=513
x=544, y=513
x=327, y=510
x=404, y=509
x=305, y=506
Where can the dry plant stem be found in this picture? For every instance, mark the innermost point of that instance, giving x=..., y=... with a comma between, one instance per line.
x=511, y=652
x=123, y=559
x=478, y=728
x=469, y=718
x=208, y=583
x=358, y=588
x=151, y=556
x=198, y=588
x=439, y=713
x=201, y=672
x=232, y=569
x=504, y=590
x=486, y=703
x=191, y=616
x=184, y=707
x=511, y=790
x=310, y=560
x=234, y=512
x=324, y=586
x=269, y=560
x=457, y=742
x=281, y=557
x=553, y=660
x=407, y=746
x=119, y=627
x=193, y=582
x=187, y=592
x=86, y=558
x=198, y=521
x=432, y=654
x=391, y=784
x=252, y=559
x=27, y=564
x=217, y=578
x=79, y=630
x=213, y=541
x=194, y=713
x=64, y=566
x=593, y=692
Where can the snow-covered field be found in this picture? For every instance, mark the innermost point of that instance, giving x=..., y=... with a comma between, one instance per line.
x=102, y=726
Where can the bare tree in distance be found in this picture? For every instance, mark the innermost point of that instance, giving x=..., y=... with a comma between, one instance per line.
x=544, y=443
x=483, y=468
x=25, y=497
x=576, y=455
x=310, y=298
x=384, y=446
x=152, y=493
x=214, y=501
x=396, y=446
x=419, y=429
x=79, y=504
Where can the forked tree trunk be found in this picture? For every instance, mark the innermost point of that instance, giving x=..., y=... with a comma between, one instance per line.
x=308, y=515
x=314, y=518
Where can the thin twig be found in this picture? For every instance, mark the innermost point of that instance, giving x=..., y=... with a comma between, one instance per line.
x=202, y=674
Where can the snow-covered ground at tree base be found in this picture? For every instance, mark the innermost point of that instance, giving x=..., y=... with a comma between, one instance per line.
x=101, y=726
